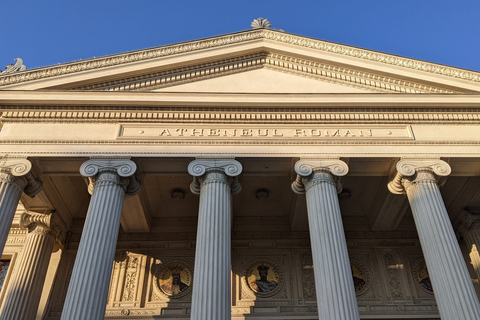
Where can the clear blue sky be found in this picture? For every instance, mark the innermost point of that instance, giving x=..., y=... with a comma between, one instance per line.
x=49, y=32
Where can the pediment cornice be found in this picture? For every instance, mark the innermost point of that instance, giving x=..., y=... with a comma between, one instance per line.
x=236, y=38
x=301, y=67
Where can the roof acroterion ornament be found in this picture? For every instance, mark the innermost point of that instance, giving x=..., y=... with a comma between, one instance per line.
x=12, y=68
x=261, y=23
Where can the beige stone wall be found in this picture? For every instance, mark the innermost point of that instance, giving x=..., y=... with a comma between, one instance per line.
x=389, y=261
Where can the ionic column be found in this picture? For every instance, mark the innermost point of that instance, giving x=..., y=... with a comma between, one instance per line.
x=26, y=285
x=15, y=178
x=335, y=290
x=454, y=292
x=214, y=180
x=468, y=225
x=88, y=290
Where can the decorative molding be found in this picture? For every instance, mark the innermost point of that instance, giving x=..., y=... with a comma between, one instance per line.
x=281, y=37
x=281, y=63
x=52, y=114
x=409, y=167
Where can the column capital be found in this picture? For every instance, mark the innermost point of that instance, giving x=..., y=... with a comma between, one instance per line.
x=17, y=170
x=411, y=170
x=123, y=168
x=228, y=167
x=467, y=222
x=45, y=224
x=305, y=167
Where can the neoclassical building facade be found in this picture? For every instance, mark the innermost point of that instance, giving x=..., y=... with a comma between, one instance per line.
x=253, y=175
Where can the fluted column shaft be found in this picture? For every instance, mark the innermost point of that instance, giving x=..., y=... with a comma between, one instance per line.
x=454, y=292
x=211, y=282
x=15, y=178
x=88, y=289
x=331, y=265
x=26, y=285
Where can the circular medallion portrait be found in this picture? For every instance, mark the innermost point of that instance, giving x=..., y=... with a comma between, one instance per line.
x=421, y=276
x=173, y=279
x=359, y=278
x=262, y=277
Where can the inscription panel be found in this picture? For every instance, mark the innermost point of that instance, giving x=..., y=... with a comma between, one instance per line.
x=242, y=132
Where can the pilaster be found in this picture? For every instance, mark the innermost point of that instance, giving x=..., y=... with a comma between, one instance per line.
x=15, y=178
x=214, y=180
x=454, y=292
x=25, y=289
x=110, y=180
x=319, y=179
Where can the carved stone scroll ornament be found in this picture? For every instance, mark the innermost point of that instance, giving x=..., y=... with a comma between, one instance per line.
x=120, y=169
x=17, y=171
x=325, y=169
x=45, y=224
x=12, y=68
x=228, y=170
x=411, y=171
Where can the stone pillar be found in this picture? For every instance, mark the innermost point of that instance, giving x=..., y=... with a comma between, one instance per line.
x=214, y=180
x=87, y=292
x=454, y=292
x=15, y=178
x=26, y=285
x=468, y=225
x=319, y=179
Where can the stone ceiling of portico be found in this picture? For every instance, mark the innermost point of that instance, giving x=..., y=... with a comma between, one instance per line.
x=281, y=210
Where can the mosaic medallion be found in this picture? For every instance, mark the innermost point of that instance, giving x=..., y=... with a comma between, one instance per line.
x=359, y=278
x=263, y=277
x=421, y=277
x=4, y=264
x=173, y=279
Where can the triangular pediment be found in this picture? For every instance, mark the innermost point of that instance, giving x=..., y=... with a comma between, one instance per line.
x=262, y=81
x=256, y=61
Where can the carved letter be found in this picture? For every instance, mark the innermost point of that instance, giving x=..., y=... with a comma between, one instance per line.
x=197, y=131
x=232, y=133
x=165, y=132
x=298, y=132
x=262, y=135
x=181, y=132
x=214, y=132
x=246, y=132
x=349, y=132
x=369, y=133
x=275, y=134
x=336, y=133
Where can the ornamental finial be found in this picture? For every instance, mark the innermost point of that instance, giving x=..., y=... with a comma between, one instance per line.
x=12, y=68
x=261, y=23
